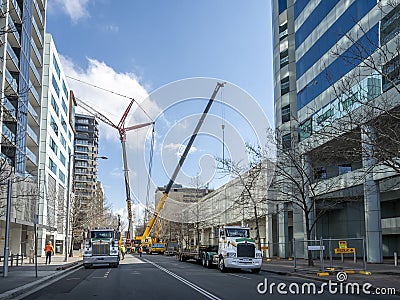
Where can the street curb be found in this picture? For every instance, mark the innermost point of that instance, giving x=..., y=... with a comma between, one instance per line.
x=34, y=284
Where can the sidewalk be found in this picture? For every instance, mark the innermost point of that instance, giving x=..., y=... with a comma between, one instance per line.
x=24, y=278
x=384, y=275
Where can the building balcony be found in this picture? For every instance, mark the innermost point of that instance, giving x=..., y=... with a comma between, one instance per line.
x=35, y=72
x=8, y=134
x=33, y=113
x=36, y=52
x=34, y=94
x=32, y=135
x=14, y=58
x=15, y=32
x=10, y=109
x=16, y=10
x=12, y=82
x=31, y=156
x=38, y=34
x=38, y=12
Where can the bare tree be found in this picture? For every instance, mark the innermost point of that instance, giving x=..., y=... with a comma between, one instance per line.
x=253, y=184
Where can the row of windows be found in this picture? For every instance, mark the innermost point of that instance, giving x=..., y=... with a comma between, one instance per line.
x=366, y=90
x=333, y=34
x=363, y=48
x=52, y=166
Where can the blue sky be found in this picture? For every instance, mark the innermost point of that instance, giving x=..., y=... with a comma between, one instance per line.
x=136, y=48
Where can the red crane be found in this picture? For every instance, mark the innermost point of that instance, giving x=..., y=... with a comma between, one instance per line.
x=122, y=136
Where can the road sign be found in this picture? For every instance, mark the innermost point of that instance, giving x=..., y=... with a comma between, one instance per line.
x=315, y=248
x=264, y=247
x=342, y=244
x=344, y=250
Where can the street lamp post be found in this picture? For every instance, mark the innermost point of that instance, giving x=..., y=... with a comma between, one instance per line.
x=68, y=205
x=67, y=215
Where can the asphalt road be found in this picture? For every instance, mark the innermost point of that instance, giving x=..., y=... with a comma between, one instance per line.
x=161, y=277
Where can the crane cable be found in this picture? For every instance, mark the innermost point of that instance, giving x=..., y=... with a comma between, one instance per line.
x=112, y=92
x=149, y=173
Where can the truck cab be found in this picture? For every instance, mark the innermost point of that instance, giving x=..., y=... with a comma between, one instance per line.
x=101, y=248
x=236, y=250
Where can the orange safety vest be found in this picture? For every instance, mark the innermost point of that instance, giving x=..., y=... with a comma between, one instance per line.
x=48, y=248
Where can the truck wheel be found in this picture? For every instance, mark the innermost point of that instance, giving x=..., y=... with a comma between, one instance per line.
x=256, y=271
x=208, y=264
x=203, y=260
x=221, y=265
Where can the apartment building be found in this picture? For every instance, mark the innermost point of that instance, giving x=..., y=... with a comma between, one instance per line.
x=336, y=74
x=85, y=167
x=56, y=148
x=22, y=44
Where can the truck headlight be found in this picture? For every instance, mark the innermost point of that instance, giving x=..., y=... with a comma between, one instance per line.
x=230, y=254
x=88, y=252
x=258, y=255
x=114, y=251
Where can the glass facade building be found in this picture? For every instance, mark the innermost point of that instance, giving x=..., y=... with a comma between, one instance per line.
x=324, y=56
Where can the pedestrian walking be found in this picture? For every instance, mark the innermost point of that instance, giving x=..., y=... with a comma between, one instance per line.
x=140, y=251
x=122, y=249
x=49, y=250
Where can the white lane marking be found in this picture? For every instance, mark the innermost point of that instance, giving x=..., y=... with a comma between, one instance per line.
x=188, y=283
x=47, y=283
x=240, y=276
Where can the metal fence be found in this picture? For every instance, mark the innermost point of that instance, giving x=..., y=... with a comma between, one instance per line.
x=329, y=254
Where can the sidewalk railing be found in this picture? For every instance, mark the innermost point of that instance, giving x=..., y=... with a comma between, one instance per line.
x=18, y=259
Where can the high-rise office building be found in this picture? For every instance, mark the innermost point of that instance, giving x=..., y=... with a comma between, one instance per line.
x=334, y=62
x=22, y=43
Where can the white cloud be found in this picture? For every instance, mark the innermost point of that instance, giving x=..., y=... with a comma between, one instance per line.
x=178, y=148
x=109, y=104
x=75, y=9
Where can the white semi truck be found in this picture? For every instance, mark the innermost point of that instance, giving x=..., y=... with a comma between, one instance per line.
x=101, y=248
x=235, y=250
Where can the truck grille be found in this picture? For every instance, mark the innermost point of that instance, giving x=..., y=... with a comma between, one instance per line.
x=245, y=250
x=101, y=249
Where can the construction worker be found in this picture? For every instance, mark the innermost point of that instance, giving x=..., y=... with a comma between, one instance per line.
x=49, y=250
x=122, y=249
x=140, y=250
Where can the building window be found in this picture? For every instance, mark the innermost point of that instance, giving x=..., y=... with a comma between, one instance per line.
x=65, y=89
x=64, y=124
x=64, y=106
x=284, y=56
x=320, y=173
x=55, y=85
x=325, y=116
x=54, y=105
x=62, y=158
x=347, y=103
x=63, y=141
x=283, y=31
x=282, y=6
x=61, y=176
x=52, y=166
x=286, y=141
x=54, y=125
x=53, y=146
x=284, y=85
x=305, y=130
x=286, y=113
x=56, y=67
x=344, y=168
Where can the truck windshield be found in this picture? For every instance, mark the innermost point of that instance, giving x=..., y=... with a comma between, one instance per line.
x=237, y=232
x=101, y=234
